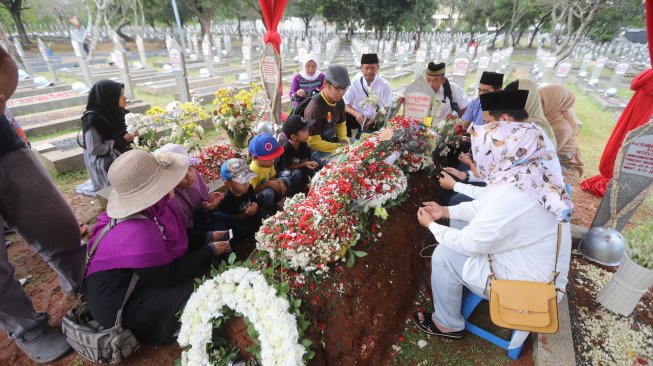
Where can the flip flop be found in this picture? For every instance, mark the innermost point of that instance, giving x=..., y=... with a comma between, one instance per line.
x=427, y=326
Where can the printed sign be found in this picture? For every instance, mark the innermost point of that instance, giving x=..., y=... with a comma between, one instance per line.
x=269, y=69
x=175, y=60
x=550, y=62
x=639, y=157
x=483, y=62
x=563, y=69
x=460, y=66
x=420, y=56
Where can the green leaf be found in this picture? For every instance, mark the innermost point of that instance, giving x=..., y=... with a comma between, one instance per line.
x=297, y=303
x=359, y=253
x=350, y=259
x=232, y=258
x=306, y=342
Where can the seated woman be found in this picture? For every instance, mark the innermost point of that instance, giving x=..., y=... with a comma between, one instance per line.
x=514, y=219
x=194, y=202
x=150, y=241
x=558, y=103
x=104, y=131
x=309, y=80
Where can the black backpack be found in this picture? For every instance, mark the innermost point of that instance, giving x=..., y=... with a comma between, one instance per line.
x=299, y=109
x=449, y=95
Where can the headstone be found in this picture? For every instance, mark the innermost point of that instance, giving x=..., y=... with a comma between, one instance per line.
x=494, y=62
x=598, y=67
x=270, y=68
x=247, y=56
x=400, y=57
x=86, y=71
x=420, y=58
x=619, y=72
x=445, y=55
x=178, y=62
x=460, y=67
x=631, y=182
x=417, y=99
x=582, y=72
x=207, y=51
x=562, y=71
x=217, y=43
x=227, y=44
x=119, y=57
x=549, y=64
x=141, y=50
x=21, y=54
x=46, y=59
x=483, y=65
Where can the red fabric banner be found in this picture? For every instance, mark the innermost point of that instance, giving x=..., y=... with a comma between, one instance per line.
x=637, y=113
x=272, y=12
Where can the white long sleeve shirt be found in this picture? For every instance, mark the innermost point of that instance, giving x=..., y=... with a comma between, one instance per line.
x=520, y=235
x=359, y=91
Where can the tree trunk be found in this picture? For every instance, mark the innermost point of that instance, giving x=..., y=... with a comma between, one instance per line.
x=4, y=37
x=123, y=35
x=539, y=26
x=307, y=22
x=15, y=15
x=418, y=41
x=240, y=31
x=515, y=42
x=496, y=34
x=205, y=28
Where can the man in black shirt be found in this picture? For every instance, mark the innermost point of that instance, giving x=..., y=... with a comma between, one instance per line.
x=30, y=202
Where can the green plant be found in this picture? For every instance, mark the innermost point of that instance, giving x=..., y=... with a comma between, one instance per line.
x=639, y=244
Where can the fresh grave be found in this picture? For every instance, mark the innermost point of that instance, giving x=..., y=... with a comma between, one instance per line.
x=361, y=200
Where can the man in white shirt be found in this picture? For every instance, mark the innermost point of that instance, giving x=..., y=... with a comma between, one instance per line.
x=513, y=219
x=449, y=97
x=362, y=118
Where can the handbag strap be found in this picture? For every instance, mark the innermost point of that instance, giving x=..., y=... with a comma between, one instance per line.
x=366, y=93
x=132, y=286
x=555, y=266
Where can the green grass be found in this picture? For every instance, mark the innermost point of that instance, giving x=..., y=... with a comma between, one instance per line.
x=54, y=134
x=66, y=182
x=523, y=57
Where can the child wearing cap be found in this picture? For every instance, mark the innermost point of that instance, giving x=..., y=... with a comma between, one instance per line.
x=269, y=189
x=193, y=201
x=239, y=201
x=296, y=160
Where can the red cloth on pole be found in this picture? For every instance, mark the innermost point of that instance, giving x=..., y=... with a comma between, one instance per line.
x=637, y=113
x=272, y=12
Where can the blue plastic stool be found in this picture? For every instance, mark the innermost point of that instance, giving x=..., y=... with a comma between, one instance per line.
x=470, y=302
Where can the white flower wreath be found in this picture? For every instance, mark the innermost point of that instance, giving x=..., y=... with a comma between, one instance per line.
x=246, y=292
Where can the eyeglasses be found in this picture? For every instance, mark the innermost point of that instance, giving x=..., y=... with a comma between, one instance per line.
x=340, y=89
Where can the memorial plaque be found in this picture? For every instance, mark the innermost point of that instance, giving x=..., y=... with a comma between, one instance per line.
x=563, y=69
x=417, y=99
x=141, y=50
x=207, y=51
x=270, y=68
x=621, y=68
x=460, y=66
x=179, y=67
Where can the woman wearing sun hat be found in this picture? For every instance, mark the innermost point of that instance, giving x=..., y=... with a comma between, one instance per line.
x=148, y=238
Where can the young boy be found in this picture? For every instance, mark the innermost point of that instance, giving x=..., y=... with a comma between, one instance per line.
x=296, y=160
x=269, y=189
x=239, y=201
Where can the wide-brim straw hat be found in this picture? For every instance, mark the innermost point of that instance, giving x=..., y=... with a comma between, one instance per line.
x=140, y=179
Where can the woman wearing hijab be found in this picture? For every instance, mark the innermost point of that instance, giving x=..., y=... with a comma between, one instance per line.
x=104, y=131
x=557, y=104
x=534, y=108
x=147, y=237
x=307, y=81
x=514, y=219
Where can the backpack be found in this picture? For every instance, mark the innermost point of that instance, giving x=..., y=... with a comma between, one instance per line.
x=299, y=109
x=449, y=95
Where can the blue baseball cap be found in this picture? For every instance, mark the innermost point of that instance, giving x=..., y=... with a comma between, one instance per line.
x=237, y=170
x=265, y=147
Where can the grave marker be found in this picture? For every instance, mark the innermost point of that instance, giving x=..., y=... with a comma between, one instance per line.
x=270, y=68
x=417, y=99
x=119, y=57
x=178, y=62
x=585, y=64
x=619, y=72
x=21, y=54
x=460, y=68
x=494, y=62
x=207, y=51
x=46, y=58
x=400, y=57
x=141, y=50
x=549, y=64
x=631, y=182
x=86, y=71
x=598, y=67
x=483, y=65
x=247, y=56
x=562, y=72
x=420, y=57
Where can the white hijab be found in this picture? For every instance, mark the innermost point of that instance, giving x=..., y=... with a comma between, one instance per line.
x=309, y=57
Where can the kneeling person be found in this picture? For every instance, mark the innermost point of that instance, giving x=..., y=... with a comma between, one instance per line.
x=296, y=162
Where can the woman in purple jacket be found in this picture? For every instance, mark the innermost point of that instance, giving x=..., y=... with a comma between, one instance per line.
x=308, y=81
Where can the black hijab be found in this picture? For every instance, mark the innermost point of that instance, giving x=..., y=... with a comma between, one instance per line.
x=108, y=118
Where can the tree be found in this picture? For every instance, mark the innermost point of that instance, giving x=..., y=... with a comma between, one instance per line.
x=420, y=17
x=611, y=19
x=15, y=7
x=303, y=9
x=240, y=10
x=475, y=14
x=95, y=18
x=204, y=10
x=161, y=10
x=343, y=13
x=382, y=14
x=574, y=18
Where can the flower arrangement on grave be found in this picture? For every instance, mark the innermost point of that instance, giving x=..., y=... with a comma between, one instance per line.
x=212, y=157
x=238, y=110
x=447, y=132
x=157, y=127
x=273, y=318
x=374, y=101
x=319, y=228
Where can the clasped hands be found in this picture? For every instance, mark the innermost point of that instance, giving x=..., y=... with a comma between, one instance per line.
x=429, y=213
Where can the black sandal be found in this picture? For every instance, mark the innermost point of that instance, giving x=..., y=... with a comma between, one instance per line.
x=427, y=326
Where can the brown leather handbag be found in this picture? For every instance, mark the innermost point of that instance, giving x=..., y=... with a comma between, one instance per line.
x=525, y=305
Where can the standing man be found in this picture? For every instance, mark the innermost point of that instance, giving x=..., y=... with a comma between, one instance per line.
x=31, y=203
x=327, y=109
x=449, y=97
x=363, y=118
x=490, y=82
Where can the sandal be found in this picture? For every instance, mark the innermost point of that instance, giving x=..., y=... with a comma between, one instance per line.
x=427, y=326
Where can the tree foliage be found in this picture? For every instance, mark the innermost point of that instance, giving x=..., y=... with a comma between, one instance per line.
x=304, y=10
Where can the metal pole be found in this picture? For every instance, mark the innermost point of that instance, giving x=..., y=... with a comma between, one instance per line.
x=179, y=29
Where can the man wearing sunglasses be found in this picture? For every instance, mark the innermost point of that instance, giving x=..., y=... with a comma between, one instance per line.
x=327, y=109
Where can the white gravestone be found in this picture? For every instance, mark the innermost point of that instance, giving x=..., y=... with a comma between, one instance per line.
x=417, y=99
x=460, y=67
x=270, y=69
x=619, y=72
x=141, y=50
x=483, y=65
x=46, y=59
x=86, y=71
x=178, y=62
x=207, y=51
x=598, y=67
x=119, y=57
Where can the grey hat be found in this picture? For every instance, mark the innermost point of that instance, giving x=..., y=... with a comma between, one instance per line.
x=338, y=76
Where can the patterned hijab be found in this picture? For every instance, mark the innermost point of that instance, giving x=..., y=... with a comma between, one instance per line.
x=514, y=153
x=534, y=108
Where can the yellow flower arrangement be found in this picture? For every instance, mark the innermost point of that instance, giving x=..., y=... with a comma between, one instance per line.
x=236, y=111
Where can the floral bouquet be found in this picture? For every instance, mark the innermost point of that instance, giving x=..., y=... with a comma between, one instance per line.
x=145, y=127
x=212, y=158
x=186, y=129
x=447, y=134
x=374, y=100
x=237, y=111
x=415, y=147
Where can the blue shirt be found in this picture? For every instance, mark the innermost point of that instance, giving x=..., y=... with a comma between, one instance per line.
x=474, y=113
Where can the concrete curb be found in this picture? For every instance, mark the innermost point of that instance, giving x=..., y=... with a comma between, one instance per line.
x=556, y=349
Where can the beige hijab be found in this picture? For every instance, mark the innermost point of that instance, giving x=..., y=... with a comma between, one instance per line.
x=534, y=108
